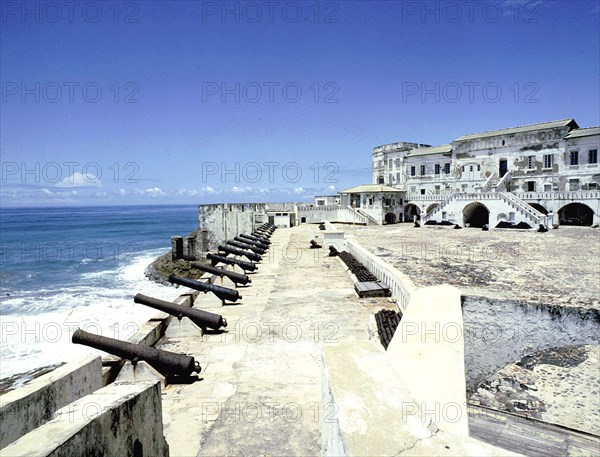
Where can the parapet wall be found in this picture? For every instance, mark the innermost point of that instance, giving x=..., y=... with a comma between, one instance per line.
x=32, y=405
x=400, y=285
x=123, y=419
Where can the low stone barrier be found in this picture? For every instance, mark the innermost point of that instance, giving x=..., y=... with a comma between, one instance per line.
x=400, y=284
x=33, y=404
x=122, y=419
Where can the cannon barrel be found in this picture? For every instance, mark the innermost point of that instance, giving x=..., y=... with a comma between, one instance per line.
x=252, y=242
x=224, y=293
x=242, y=245
x=250, y=255
x=201, y=318
x=167, y=363
x=246, y=266
x=333, y=251
x=237, y=278
x=263, y=241
x=261, y=235
x=267, y=231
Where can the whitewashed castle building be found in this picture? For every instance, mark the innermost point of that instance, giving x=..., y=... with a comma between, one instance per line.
x=545, y=173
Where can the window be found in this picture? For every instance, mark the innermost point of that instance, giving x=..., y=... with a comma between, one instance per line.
x=422, y=170
x=370, y=201
x=463, y=168
x=380, y=180
x=530, y=162
x=471, y=168
x=573, y=184
x=390, y=163
x=437, y=190
x=593, y=156
x=574, y=158
x=547, y=160
x=388, y=202
x=447, y=168
x=530, y=186
x=592, y=186
x=320, y=202
x=547, y=187
x=503, y=142
x=413, y=189
x=478, y=167
x=437, y=168
x=413, y=171
x=422, y=191
x=397, y=177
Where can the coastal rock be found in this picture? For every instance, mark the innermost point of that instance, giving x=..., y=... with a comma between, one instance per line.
x=159, y=270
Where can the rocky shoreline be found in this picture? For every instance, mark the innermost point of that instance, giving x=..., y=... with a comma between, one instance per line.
x=159, y=270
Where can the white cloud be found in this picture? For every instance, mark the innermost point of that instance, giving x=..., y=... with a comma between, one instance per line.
x=331, y=188
x=299, y=190
x=78, y=179
x=208, y=190
x=240, y=190
x=154, y=192
x=47, y=192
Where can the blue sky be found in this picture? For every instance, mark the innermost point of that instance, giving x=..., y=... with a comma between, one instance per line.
x=200, y=102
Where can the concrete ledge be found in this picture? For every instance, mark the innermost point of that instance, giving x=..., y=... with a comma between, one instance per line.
x=32, y=405
x=427, y=353
x=121, y=419
x=367, y=411
x=363, y=402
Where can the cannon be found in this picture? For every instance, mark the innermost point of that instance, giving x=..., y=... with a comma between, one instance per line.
x=261, y=235
x=262, y=241
x=333, y=252
x=252, y=242
x=246, y=266
x=224, y=293
x=167, y=363
x=314, y=244
x=267, y=231
x=250, y=255
x=251, y=247
x=202, y=319
x=237, y=278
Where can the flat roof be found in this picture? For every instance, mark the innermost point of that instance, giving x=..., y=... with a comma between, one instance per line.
x=443, y=149
x=524, y=128
x=587, y=131
x=370, y=188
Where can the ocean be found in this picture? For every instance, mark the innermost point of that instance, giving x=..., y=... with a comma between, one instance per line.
x=78, y=267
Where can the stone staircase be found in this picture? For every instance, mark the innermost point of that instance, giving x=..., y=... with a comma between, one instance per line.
x=370, y=219
x=502, y=203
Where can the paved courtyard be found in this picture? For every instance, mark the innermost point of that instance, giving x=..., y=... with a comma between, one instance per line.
x=559, y=267
x=260, y=392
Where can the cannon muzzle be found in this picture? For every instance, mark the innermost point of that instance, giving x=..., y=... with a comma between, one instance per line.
x=246, y=266
x=246, y=245
x=202, y=319
x=263, y=242
x=167, y=363
x=249, y=255
x=224, y=293
x=237, y=278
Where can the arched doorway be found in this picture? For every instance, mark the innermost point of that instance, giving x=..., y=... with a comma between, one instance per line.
x=575, y=214
x=476, y=215
x=432, y=207
x=410, y=211
x=390, y=218
x=539, y=207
